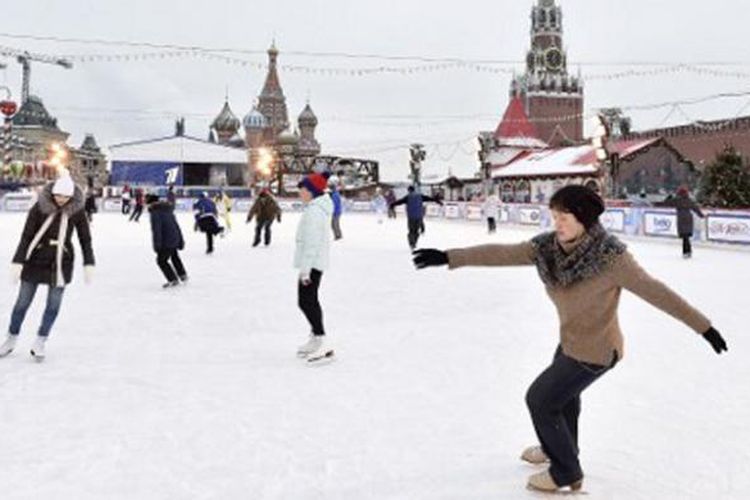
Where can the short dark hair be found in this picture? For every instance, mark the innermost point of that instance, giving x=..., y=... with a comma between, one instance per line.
x=585, y=204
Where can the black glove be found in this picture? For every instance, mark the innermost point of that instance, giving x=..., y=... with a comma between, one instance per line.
x=428, y=257
x=716, y=340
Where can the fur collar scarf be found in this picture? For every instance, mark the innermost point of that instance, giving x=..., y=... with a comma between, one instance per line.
x=587, y=257
x=48, y=206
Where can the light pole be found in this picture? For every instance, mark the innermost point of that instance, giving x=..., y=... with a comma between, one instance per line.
x=8, y=109
x=418, y=155
x=599, y=141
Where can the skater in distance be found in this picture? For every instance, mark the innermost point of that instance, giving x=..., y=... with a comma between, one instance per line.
x=577, y=262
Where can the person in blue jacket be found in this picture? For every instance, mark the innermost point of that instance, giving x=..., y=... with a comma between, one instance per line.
x=337, y=207
x=167, y=240
x=414, y=201
x=207, y=220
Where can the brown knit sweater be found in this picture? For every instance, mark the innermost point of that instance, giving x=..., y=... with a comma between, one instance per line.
x=589, y=329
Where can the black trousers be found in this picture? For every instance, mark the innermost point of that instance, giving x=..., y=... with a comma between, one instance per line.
x=137, y=211
x=265, y=227
x=163, y=258
x=336, y=227
x=125, y=207
x=415, y=228
x=554, y=401
x=687, y=248
x=491, y=224
x=307, y=300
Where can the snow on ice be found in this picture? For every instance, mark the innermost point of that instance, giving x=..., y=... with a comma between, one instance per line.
x=196, y=392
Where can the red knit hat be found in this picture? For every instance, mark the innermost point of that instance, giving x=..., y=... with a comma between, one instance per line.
x=315, y=183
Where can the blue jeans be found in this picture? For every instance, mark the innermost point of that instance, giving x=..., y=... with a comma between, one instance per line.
x=554, y=401
x=25, y=297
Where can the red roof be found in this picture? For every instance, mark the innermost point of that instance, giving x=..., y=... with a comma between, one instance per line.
x=515, y=122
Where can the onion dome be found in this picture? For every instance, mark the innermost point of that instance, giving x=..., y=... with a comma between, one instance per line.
x=226, y=121
x=255, y=120
x=287, y=137
x=307, y=117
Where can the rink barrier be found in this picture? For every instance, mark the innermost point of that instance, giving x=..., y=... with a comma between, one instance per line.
x=721, y=226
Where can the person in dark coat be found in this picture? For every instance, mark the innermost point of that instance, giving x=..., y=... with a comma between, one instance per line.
x=390, y=197
x=265, y=210
x=45, y=256
x=415, y=213
x=138, y=210
x=685, y=206
x=206, y=219
x=167, y=240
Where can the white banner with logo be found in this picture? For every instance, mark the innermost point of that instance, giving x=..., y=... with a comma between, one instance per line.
x=530, y=216
x=474, y=212
x=660, y=224
x=452, y=211
x=18, y=202
x=729, y=228
x=613, y=220
x=432, y=210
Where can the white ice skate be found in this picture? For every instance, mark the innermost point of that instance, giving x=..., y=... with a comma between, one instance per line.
x=323, y=354
x=312, y=345
x=38, y=349
x=534, y=455
x=8, y=346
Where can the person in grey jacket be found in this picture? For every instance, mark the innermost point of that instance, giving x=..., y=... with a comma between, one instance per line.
x=685, y=208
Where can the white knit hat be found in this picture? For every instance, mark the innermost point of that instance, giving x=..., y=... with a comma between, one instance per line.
x=64, y=186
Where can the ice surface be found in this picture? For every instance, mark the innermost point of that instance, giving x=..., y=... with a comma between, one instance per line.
x=196, y=392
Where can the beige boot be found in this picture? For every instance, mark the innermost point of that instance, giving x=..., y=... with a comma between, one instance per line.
x=534, y=455
x=542, y=481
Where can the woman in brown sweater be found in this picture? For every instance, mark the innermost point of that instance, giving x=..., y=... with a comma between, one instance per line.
x=584, y=269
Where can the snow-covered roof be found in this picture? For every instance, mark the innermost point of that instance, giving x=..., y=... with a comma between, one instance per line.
x=562, y=161
x=178, y=149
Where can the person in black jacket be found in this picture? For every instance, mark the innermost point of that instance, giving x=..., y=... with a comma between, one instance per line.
x=685, y=207
x=45, y=257
x=167, y=240
x=414, y=201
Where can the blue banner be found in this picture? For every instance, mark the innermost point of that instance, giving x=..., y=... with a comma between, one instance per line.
x=146, y=173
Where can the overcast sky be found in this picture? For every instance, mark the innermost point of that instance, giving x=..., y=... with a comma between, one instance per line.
x=374, y=116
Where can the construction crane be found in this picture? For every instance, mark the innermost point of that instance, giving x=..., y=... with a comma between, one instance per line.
x=25, y=58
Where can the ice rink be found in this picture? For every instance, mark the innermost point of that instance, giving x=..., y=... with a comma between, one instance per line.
x=196, y=393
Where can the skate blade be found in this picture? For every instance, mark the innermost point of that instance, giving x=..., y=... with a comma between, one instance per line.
x=561, y=492
x=323, y=359
x=36, y=357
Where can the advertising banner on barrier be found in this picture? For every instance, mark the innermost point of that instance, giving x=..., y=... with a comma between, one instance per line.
x=291, y=206
x=18, y=202
x=360, y=206
x=432, y=210
x=728, y=228
x=452, y=211
x=112, y=205
x=659, y=223
x=530, y=216
x=473, y=212
x=243, y=205
x=613, y=220
x=504, y=214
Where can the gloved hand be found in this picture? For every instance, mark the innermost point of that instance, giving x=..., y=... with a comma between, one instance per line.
x=427, y=257
x=88, y=274
x=15, y=273
x=304, y=279
x=716, y=340
x=278, y=218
